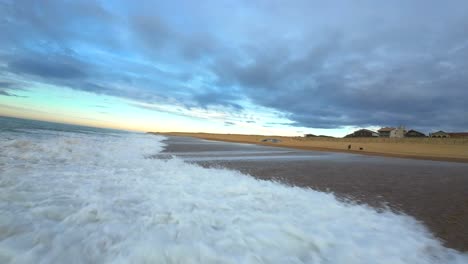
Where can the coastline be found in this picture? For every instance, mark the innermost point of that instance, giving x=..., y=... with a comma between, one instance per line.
x=432, y=192
x=450, y=150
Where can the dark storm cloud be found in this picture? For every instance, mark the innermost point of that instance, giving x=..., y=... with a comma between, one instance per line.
x=411, y=72
x=7, y=85
x=320, y=64
x=46, y=68
x=151, y=31
x=54, y=24
x=5, y=93
x=51, y=41
x=208, y=97
x=6, y=88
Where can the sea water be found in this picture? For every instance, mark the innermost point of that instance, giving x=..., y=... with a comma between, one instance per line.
x=72, y=194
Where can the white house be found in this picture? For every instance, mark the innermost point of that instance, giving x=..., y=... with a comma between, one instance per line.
x=398, y=132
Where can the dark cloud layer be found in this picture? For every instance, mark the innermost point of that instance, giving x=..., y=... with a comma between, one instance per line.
x=7, y=88
x=321, y=64
x=46, y=68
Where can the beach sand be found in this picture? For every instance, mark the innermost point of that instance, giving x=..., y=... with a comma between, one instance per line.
x=433, y=192
x=443, y=149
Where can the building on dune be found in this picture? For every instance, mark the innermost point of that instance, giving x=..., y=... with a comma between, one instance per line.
x=363, y=133
x=398, y=132
x=439, y=134
x=392, y=132
x=414, y=133
x=385, y=131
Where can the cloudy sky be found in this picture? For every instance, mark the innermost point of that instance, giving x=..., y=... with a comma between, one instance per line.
x=269, y=67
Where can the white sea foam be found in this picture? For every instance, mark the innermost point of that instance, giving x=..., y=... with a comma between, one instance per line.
x=78, y=198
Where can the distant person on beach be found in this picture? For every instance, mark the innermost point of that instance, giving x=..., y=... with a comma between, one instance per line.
x=349, y=146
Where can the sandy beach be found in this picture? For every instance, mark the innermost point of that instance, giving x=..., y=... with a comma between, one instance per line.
x=434, y=192
x=442, y=149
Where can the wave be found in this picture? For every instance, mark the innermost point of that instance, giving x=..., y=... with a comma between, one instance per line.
x=91, y=198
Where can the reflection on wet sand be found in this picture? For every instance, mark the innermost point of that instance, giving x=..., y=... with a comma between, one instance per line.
x=434, y=192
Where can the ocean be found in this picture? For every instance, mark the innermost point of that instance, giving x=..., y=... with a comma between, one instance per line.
x=73, y=194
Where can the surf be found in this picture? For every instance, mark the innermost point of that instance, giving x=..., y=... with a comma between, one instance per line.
x=100, y=198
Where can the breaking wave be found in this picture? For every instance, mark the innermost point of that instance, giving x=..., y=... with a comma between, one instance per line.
x=94, y=198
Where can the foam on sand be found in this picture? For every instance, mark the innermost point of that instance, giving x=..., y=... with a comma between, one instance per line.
x=84, y=198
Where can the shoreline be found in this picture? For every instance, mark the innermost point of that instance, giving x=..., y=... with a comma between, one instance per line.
x=295, y=143
x=433, y=193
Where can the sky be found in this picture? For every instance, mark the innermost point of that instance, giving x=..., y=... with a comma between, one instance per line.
x=250, y=67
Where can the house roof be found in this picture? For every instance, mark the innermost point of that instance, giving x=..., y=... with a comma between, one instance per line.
x=363, y=130
x=415, y=131
x=386, y=129
x=366, y=130
x=440, y=132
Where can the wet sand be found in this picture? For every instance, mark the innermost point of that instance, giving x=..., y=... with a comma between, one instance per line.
x=433, y=192
x=439, y=149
